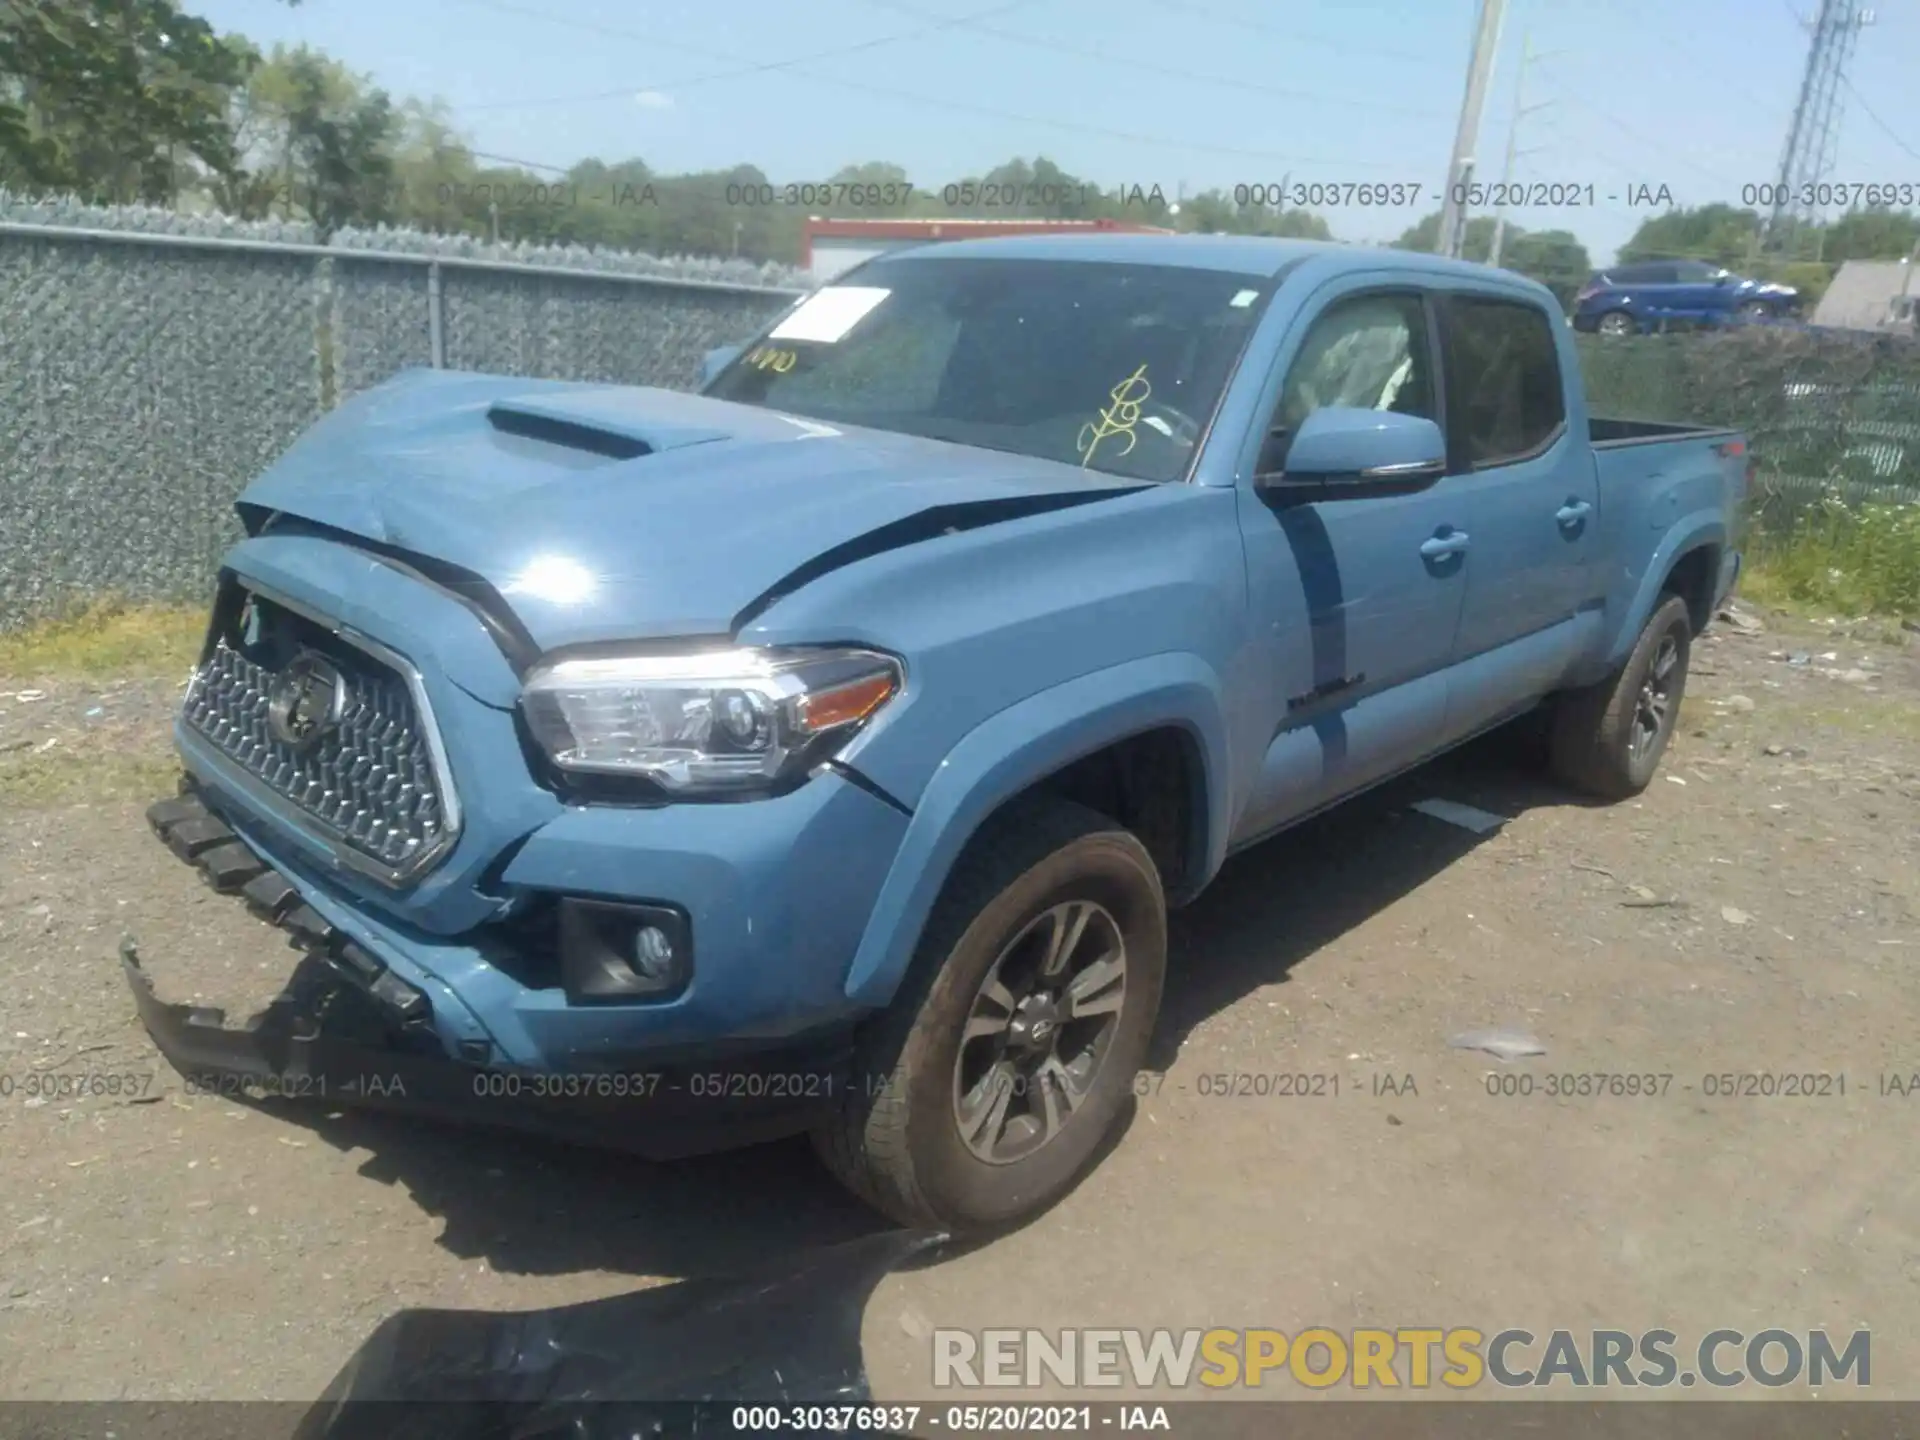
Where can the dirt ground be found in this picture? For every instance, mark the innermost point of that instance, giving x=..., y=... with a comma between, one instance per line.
x=1753, y=914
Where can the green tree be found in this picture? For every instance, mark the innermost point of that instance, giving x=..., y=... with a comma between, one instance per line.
x=1553, y=257
x=1876, y=233
x=318, y=141
x=1214, y=212
x=1719, y=233
x=1476, y=242
x=434, y=173
x=115, y=100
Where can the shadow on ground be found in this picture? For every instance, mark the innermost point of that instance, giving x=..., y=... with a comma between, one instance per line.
x=531, y=1207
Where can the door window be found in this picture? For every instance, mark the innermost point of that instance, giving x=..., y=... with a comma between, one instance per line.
x=1369, y=352
x=1503, y=380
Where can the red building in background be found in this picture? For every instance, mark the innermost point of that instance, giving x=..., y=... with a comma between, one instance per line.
x=832, y=247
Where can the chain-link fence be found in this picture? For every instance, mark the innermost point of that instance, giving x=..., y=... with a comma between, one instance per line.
x=146, y=377
x=1827, y=412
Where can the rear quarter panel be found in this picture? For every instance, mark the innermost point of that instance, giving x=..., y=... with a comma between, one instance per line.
x=1659, y=500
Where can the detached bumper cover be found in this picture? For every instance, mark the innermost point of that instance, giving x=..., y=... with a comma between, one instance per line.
x=347, y=1031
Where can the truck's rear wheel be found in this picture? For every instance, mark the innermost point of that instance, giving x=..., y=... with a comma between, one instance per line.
x=982, y=1093
x=1608, y=738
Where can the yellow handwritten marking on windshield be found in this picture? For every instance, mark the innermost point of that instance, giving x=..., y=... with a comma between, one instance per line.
x=1119, y=418
x=767, y=357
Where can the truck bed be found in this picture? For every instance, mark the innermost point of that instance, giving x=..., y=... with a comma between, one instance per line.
x=1652, y=473
x=1612, y=434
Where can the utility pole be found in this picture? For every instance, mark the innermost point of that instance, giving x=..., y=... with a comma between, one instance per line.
x=1813, y=136
x=1520, y=111
x=1486, y=42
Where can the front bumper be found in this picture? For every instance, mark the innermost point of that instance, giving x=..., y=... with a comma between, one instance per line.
x=348, y=1030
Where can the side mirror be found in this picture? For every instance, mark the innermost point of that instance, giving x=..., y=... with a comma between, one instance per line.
x=1723, y=279
x=716, y=361
x=1344, y=453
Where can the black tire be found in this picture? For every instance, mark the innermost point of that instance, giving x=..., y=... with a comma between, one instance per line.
x=1593, y=746
x=1757, y=310
x=1623, y=324
x=895, y=1139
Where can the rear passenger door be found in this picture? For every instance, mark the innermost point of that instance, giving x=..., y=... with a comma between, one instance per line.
x=1697, y=293
x=1531, y=497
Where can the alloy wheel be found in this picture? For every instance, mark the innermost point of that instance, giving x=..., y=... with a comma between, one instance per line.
x=1039, y=1030
x=1653, y=711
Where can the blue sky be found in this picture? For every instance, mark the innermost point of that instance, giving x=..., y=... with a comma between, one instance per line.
x=1692, y=94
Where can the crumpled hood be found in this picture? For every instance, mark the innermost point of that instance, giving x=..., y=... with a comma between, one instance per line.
x=603, y=512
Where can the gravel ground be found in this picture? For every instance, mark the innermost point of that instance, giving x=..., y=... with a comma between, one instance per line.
x=1752, y=914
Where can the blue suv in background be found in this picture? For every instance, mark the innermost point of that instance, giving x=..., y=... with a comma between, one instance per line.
x=1661, y=294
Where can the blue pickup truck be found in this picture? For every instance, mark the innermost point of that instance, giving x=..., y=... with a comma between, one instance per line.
x=822, y=752
x=1649, y=295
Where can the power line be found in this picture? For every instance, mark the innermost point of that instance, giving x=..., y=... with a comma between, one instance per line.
x=1874, y=116
x=1664, y=149
x=743, y=71
x=1163, y=71
x=523, y=164
x=1292, y=36
x=930, y=102
x=1727, y=79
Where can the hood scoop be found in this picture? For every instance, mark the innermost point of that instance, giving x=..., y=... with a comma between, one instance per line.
x=578, y=426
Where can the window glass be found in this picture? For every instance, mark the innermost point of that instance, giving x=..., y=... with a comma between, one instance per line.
x=1112, y=367
x=1370, y=353
x=1503, y=377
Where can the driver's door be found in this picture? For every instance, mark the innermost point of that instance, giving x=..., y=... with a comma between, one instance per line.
x=1357, y=600
x=1698, y=293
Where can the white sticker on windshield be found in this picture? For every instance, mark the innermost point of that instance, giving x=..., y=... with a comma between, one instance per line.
x=1244, y=299
x=827, y=315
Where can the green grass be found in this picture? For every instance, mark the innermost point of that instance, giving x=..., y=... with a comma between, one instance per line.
x=1852, y=560
x=40, y=780
x=109, y=637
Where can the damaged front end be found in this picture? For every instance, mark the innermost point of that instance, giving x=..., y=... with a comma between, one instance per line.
x=344, y=1027
x=346, y=1030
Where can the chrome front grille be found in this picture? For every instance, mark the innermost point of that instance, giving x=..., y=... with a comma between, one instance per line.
x=371, y=781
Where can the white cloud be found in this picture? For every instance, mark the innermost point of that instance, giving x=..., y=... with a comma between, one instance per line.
x=652, y=100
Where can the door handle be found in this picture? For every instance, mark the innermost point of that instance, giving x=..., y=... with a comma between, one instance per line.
x=1452, y=543
x=1573, y=512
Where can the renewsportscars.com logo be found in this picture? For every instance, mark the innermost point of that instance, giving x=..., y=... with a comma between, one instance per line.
x=1415, y=1358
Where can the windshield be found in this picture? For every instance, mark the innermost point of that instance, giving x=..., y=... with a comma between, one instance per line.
x=1110, y=367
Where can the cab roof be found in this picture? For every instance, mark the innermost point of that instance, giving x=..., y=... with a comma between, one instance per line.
x=1250, y=255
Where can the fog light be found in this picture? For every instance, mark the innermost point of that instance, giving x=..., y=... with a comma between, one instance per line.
x=612, y=952
x=653, y=953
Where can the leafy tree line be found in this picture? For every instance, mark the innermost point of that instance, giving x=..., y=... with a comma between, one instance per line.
x=138, y=100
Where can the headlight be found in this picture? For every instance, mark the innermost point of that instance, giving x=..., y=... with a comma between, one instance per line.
x=716, y=720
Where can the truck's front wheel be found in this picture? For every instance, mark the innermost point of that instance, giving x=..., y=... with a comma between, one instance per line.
x=981, y=1095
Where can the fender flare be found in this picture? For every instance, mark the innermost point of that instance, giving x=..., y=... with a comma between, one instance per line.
x=1705, y=528
x=1009, y=752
